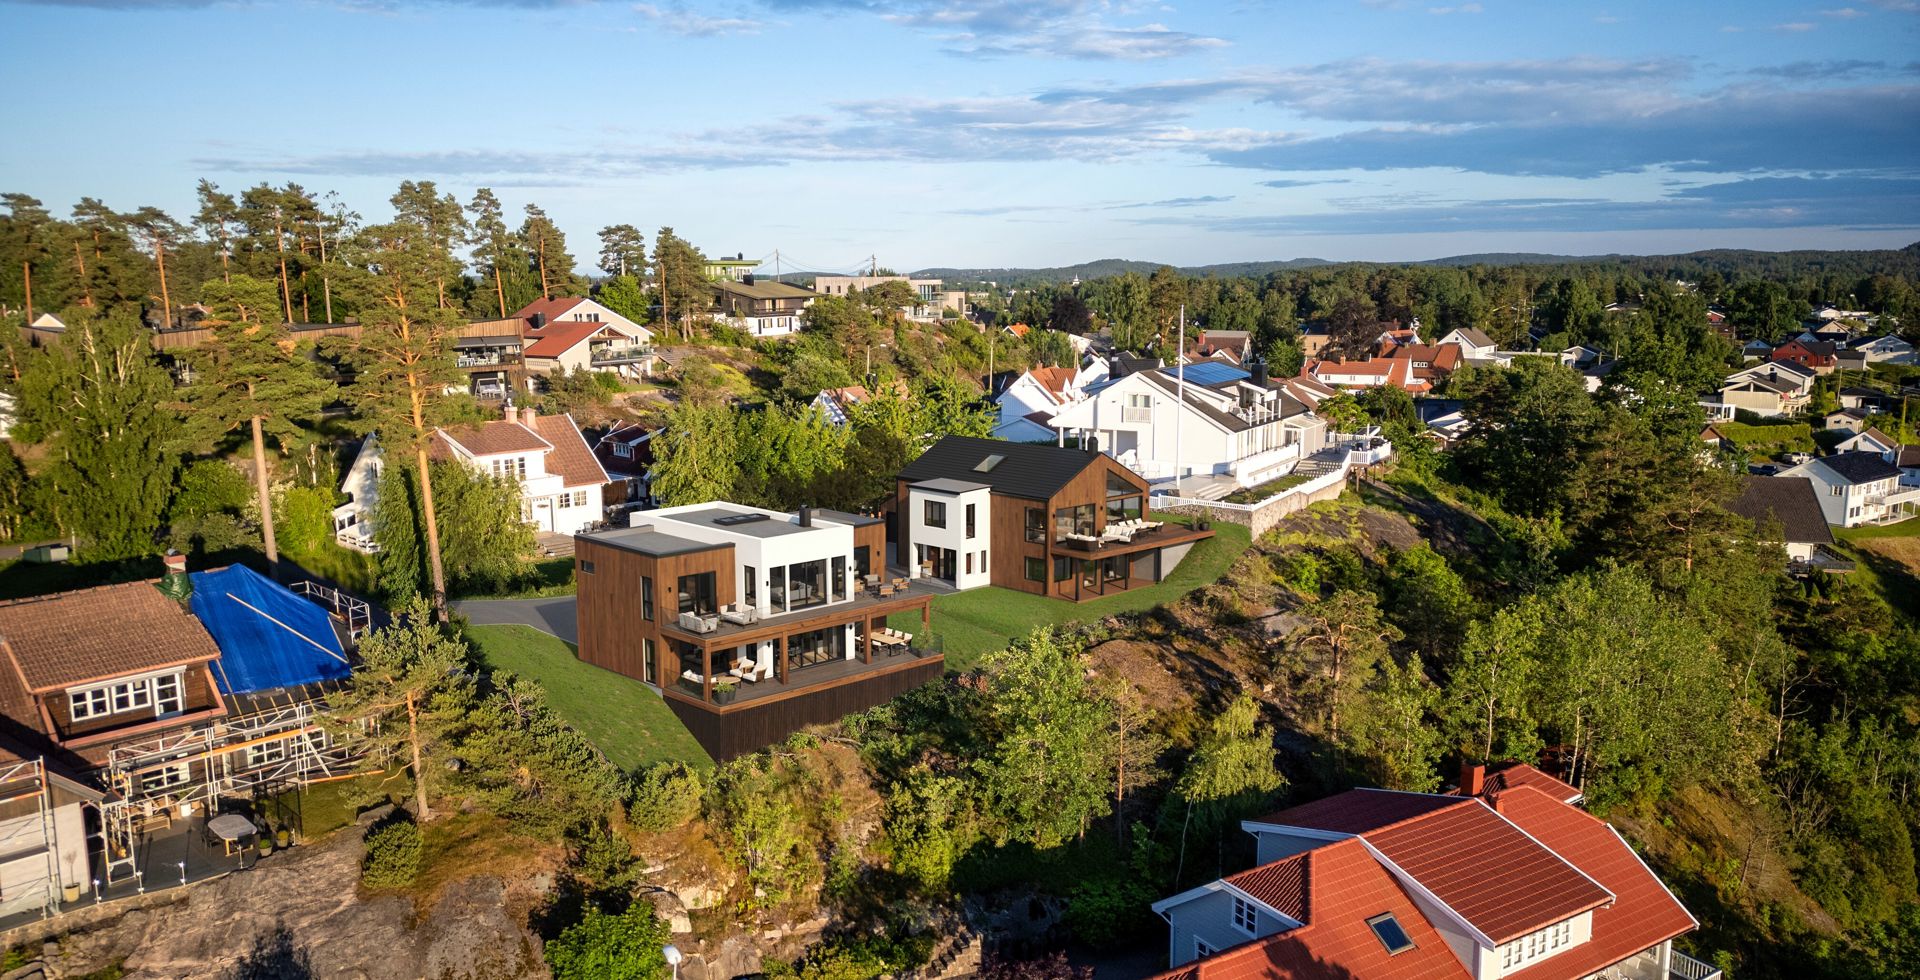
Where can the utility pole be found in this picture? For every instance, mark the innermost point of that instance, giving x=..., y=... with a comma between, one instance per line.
x=1180, y=373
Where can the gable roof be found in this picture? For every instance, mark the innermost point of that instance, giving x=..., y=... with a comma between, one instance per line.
x=1336, y=889
x=550, y=308
x=57, y=641
x=558, y=338
x=1790, y=500
x=497, y=436
x=1055, y=380
x=1471, y=335
x=1492, y=874
x=1510, y=775
x=1033, y=470
x=571, y=459
x=1860, y=467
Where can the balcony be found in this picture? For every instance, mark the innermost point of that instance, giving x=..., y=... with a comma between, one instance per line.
x=487, y=359
x=621, y=353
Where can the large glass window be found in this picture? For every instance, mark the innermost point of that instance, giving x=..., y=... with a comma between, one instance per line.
x=698, y=594
x=806, y=584
x=651, y=668
x=752, y=578
x=1073, y=520
x=816, y=647
x=1122, y=509
x=1117, y=485
x=863, y=561
x=839, y=578
x=777, y=588
x=935, y=513
x=160, y=695
x=1036, y=525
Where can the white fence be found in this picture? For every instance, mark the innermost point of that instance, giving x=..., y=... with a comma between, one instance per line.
x=1262, y=515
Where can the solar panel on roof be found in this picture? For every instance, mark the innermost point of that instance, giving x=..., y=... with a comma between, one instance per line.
x=1391, y=934
x=1212, y=373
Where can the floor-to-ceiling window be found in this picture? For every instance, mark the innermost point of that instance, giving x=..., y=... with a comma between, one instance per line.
x=698, y=594
x=807, y=584
x=816, y=647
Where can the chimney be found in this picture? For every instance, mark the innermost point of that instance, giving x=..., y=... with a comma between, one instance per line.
x=1473, y=778
x=527, y=415
x=806, y=515
x=511, y=413
x=1259, y=368
x=747, y=279
x=1093, y=445
x=538, y=321
x=175, y=562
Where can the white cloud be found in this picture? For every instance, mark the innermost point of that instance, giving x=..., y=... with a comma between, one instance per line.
x=677, y=19
x=1843, y=13
x=1465, y=8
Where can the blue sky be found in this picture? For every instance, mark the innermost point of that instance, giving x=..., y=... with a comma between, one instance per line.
x=1008, y=133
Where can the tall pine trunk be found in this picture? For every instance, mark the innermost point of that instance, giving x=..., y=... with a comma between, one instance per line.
x=433, y=538
x=263, y=488
x=86, y=290
x=540, y=252
x=419, y=771
x=500, y=290
x=26, y=273
x=326, y=280
x=166, y=299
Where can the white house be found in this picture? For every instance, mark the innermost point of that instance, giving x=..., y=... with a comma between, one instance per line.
x=1037, y=396
x=1870, y=440
x=571, y=333
x=1239, y=427
x=561, y=482
x=949, y=522
x=1474, y=344
x=1858, y=488
x=43, y=834
x=1886, y=350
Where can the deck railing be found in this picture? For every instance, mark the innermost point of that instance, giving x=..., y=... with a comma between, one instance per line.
x=1687, y=968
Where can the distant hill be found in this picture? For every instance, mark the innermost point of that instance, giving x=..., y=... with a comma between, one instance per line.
x=1007, y=276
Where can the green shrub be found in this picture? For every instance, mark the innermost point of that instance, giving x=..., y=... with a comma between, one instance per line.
x=393, y=852
x=665, y=796
x=611, y=947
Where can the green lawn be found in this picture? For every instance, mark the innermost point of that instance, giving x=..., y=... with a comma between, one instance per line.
x=1908, y=528
x=977, y=622
x=623, y=717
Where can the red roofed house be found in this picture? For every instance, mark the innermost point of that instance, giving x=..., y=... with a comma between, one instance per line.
x=561, y=481
x=1038, y=395
x=1414, y=366
x=1504, y=879
x=570, y=333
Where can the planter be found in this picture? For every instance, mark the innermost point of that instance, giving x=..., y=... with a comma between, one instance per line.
x=723, y=694
x=284, y=838
x=70, y=892
x=265, y=845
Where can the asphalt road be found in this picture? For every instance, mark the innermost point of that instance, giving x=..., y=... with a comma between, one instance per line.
x=551, y=616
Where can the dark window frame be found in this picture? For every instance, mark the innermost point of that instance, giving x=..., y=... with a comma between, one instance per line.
x=933, y=513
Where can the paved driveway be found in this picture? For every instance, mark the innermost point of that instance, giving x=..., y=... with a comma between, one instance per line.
x=552, y=616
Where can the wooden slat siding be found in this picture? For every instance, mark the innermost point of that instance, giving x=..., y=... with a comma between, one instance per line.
x=197, y=691
x=739, y=729
x=1010, y=547
x=874, y=536
x=512, y=326
x=609, y=604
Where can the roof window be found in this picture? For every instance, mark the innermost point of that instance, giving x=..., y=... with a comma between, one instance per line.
x=1391, y=934
x=732, y=519
x=987, y=465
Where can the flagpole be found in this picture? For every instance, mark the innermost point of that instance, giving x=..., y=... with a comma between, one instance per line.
x=1180, y=373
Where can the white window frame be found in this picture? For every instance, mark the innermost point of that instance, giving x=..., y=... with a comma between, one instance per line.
x=157, y=694
x=267, y=753
x=1246, y=917
x=1202, y=949
x=1138, y=408
x=167, y=777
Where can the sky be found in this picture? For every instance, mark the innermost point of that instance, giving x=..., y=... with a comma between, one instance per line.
x=997, y=133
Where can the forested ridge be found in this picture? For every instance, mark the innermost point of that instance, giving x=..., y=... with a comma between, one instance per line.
x=1565, y=583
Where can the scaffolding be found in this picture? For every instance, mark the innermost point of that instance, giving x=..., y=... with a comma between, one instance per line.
x=23, y=835
x=354, y=613
x=280, y=745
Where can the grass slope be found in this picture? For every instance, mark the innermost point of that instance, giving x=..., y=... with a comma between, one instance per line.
x=623, y=717
x=977, y=622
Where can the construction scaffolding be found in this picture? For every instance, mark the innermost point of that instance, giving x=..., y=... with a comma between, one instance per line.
x=29, y=849
x=354, y=613
x=279, y=746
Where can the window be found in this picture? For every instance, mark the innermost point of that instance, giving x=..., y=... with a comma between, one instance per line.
x=839, y=578
x=623, y=450
x=586, y=567
x=159, y=694
x=177, y=774
x=510, y=469
x=862, y=561
x=646, y=597
x=647, y=653
x=1036, y=525
x=1391, y=934
x=1202, y=948
x=1122, y=509
x=1036, y=569
x=166, y=694
x=1835, y=491
x=266, y=753
x=1073, y=520
x=969, y=563
x=752, y=578
x=1139, y=408
x=579, y=498
x=1062, y=569
x=1245, y=917
x=90, y=703
x=698, y=594
x=936, y=514
x=969, y=520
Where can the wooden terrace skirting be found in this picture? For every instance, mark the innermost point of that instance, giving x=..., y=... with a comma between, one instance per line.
x=726, y=731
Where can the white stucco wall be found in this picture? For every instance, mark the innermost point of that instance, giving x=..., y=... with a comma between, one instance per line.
x=974, y=554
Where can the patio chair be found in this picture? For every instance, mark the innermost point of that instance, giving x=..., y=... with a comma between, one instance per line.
x=886, y=592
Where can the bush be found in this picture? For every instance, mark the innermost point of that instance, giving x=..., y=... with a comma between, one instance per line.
x=611, y=947
x=393, y=852
x=665, y=796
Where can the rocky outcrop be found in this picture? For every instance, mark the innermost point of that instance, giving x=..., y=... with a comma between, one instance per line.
x=298, y=916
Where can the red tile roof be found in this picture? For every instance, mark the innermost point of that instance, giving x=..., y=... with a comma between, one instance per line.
x=1280, y=885
x=1358, y=811
x=1054, y=379
x=553, y=308
x=1344, y=886
x=498, y=436
x=1515, y=774
x=571, y=459
x=1018, y=329
x=558, y=338
x=1644, y=913
x=57, y=641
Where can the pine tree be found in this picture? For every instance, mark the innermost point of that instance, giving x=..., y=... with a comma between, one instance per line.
x=680, y=275
x=413, y=687
x=266, y=214
x=494, y=249
x=161, y=233
x=97, y=402
x=622, y=251
x=24, y=241
x=446, y=224
x=404, y=357
x=250, y=376
x=551, y=261
x=218, y=217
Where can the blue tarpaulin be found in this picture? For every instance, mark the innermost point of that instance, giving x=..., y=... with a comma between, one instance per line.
x=268, y=637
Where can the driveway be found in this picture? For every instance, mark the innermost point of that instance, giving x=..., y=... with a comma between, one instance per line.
x=554, y=616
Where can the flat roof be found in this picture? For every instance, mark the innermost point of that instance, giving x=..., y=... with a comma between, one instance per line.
x=724, y=519
x=647, y=541
x=948, y=485
x=842, y=517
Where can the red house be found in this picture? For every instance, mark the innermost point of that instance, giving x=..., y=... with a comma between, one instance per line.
x=1816, y=354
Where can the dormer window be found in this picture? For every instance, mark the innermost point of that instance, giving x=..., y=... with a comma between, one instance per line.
x=156, y=694
x=1391, y=933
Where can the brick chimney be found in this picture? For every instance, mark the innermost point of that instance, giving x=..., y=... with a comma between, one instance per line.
x=511, y=413
x=527, y=415
x=1473, y=778
x=175, y=562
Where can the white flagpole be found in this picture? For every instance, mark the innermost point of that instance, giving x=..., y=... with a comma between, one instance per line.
x=1180, y=374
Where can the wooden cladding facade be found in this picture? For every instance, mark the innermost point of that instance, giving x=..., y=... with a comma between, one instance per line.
x=1008, y=524
x=611, y=604
x=738, y=729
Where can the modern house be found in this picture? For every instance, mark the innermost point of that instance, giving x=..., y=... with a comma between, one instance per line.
x=752, y=623
x=489, y=351
x=1789, y=504
x=560, y=480
x=1507, y=882
x=930, y=300
x=1858, y=488
x=1048, y=520
x=736, y=267
x=571, y=333
x=761, y=307
x=1223, y=424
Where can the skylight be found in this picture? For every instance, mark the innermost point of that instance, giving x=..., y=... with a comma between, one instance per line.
x=733, y=519
x=987, y=465
x=1388, y=930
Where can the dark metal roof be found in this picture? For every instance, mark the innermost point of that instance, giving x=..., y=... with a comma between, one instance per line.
x=1790, y=500
x=1032, y=470
x=646, y=541
x=1861, y=467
